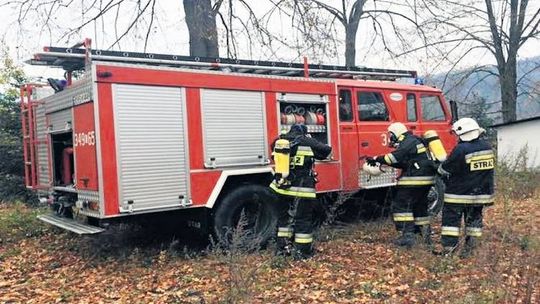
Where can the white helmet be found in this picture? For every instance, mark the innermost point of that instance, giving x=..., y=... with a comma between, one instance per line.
x=373, y=170
x=467, y=129
x=396, y=129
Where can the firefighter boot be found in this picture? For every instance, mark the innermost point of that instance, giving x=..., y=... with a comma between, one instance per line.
x=471, y=243
x=407, y=239
x=303, y=251
x=283, y=246
x=448, y=251
x=425, y=232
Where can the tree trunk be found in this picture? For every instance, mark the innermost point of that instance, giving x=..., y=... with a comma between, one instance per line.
x=508, y=81
x=201, y=23
x=350, y=44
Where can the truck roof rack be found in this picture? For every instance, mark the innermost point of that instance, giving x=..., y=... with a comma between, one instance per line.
x=76, y=58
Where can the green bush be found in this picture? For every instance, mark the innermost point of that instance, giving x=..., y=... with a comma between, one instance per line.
x=12, y=186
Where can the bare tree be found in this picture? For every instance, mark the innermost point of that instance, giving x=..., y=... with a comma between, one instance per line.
x=313, y=22
x=129, y=19
x=462, y=29
x=201, y=22
x=208, y=21
x=253, y=32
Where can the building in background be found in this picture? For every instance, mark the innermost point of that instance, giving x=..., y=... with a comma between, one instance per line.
x=519, y=141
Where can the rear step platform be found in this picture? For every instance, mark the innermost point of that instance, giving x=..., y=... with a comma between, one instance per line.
x=69, y=224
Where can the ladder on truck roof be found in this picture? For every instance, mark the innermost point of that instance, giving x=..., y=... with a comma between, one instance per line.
x=77, y=58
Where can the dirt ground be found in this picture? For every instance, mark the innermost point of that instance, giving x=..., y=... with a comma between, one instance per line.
x=354, y=264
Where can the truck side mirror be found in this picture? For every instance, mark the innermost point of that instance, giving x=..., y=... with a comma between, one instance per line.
x=454, y=110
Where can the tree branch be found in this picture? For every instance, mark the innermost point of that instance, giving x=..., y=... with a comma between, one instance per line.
x=332, y=11
x=139, y=14
x=150, y=25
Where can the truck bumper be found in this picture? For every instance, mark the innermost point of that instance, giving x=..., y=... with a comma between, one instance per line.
x=69, y=224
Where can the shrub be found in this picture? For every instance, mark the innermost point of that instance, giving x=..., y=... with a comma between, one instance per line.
x=514, y=180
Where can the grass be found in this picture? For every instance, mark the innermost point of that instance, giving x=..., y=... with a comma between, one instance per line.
x=18, y=221
x=354, y=263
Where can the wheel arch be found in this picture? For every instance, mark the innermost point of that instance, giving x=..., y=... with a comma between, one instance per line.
x=231, y=179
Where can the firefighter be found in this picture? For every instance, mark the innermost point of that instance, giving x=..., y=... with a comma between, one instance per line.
x=295, y=183
x=469, y=172
x=410, y=203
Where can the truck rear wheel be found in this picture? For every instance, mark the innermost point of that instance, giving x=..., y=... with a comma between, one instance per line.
x=248, y=212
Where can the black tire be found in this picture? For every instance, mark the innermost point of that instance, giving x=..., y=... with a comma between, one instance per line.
x=257, y=203
x=436, y=197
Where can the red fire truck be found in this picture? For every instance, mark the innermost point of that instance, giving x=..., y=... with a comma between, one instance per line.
x=139, y=133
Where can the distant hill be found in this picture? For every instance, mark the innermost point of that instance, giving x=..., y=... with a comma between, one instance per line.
x=480, y=87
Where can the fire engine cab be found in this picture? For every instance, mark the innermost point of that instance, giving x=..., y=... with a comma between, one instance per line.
x=140, y=133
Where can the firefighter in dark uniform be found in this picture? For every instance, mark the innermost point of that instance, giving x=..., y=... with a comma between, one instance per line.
x=297, y=189
x=410, y=203
x=469, y=186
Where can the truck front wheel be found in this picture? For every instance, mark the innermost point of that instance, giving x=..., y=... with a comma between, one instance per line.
x=436, y=197
x=246, y=214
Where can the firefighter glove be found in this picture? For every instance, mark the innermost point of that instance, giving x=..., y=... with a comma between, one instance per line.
x=371, y=161
x=380, y=159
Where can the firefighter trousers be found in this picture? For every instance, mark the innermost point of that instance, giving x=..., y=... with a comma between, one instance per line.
x=451, y=222
x=410, y=208
x=295, y=223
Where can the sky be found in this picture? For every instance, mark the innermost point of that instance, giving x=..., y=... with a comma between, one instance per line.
x=169, y=35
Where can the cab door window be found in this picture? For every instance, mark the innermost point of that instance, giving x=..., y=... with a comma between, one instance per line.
x=345, y=106
x=371, y=107
x=411, y=107
x=431, y=108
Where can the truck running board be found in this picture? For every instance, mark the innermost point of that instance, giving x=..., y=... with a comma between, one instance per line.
x=69, y=224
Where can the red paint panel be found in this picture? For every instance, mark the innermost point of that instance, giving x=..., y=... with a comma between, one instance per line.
x=271, y=119
x=84, y=145
x=329, y=176
x=217, y=81
x=349, y=160
x=397, y=107
x=202, y=184
x=108, y=149
x=334, y=129
x=195, y=135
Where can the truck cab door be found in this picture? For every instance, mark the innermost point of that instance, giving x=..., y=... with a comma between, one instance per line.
x=374, y=116
x=348, y=139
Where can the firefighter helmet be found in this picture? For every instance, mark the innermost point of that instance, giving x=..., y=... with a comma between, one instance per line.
x=373, y=170
x=396, y=129
x=467, y=129
x=299, y=128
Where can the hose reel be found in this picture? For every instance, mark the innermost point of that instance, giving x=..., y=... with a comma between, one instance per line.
x=293, y=114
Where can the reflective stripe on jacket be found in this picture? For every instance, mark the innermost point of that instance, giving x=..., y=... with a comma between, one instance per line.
x=411, y=156
x=304, y=151
x=470, y=168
